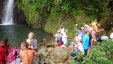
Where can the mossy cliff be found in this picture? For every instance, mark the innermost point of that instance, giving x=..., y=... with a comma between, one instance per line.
x=50, y=14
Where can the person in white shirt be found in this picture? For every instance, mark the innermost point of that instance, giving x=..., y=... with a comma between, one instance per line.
x=62, y=29
x=64, y=38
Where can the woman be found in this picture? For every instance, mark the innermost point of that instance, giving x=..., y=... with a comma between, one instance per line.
x=32, y=45
x=32, y=41
x=76, y=47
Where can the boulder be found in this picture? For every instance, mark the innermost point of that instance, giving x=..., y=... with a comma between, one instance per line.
x=55, y=55
x=43, y=52
x=58, y=54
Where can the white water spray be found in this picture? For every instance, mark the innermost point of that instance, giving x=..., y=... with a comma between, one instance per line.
x=8, y=13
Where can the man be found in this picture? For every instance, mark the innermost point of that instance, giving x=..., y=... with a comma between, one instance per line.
x=85, y=41
x=3, y=50
x=26, y=54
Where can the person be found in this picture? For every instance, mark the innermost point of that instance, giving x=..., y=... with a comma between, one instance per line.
x=32, y=41
x=85, y=41
x=98, y=28
x=64, y=39
x=86, y=26
x=94, y=22
x=77, y=45
x=94, y=38
x=58, y=38
x=111, y=35
x=4, y=46
x=80, y=33
x=27, y=54
x=75, y=48
x=62, y=29
x=96, y=25
x=33, y=45
x=63, y=32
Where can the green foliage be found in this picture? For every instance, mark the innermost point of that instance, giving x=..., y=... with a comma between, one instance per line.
x=53, y=12
x=46, y=14
x=101, y=54
x=53, y=24
x=65, y=8
x=90, y=7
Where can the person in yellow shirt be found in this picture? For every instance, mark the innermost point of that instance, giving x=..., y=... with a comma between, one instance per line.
x=94, y=23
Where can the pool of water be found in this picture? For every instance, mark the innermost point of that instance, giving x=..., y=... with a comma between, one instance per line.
x=18, y=33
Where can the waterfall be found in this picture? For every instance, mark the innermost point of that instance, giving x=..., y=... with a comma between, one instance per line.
x=8, y=13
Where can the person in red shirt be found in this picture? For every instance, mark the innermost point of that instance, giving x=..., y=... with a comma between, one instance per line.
x=3, y=50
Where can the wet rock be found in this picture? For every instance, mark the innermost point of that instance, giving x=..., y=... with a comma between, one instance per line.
x=18, y=15
x=59, y=54
x=43, y=52
x=55, y=55
x=51, y=61
x=1, y=9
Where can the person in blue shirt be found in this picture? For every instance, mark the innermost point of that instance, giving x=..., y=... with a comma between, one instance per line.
x=80, y=33
x=85, y=41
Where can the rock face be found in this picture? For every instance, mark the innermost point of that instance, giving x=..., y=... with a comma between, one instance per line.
x=1, y=8
x=19, y=17
x=55, y=55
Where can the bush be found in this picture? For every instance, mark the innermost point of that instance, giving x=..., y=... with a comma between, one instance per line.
x=101, y=54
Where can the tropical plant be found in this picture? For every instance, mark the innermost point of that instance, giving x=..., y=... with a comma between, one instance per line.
x=101, y=54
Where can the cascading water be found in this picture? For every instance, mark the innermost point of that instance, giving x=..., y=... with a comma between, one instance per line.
x=8, y=13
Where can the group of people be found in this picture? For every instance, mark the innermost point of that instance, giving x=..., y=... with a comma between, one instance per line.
x=61, y=37
x=27, y=54
x=85, y=38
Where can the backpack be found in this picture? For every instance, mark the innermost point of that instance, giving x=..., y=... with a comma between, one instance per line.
x=59, y=38
x=12, y=55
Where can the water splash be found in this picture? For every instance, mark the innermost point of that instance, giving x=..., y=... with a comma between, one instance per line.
x=8, y=13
